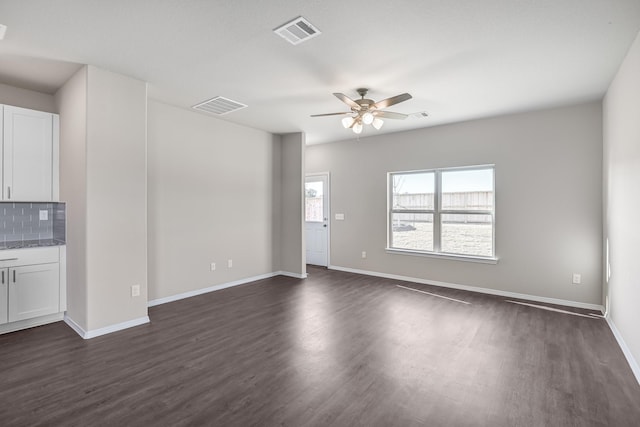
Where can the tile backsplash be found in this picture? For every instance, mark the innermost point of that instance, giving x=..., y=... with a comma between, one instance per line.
x=21, y=221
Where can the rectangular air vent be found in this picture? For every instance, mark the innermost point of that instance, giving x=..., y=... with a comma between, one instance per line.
x=219, y=105
x=297, y=31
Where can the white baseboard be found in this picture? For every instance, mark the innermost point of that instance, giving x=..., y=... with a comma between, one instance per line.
x=142, y=320
x=214, y=288
x=107, y=329
x=294, y=275
x=473, y=289
x=633, y=364
x=30, y=323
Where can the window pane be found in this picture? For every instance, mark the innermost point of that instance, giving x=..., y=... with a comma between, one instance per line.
x=413, y=190
x=467, y=234
x=467, y=190
x=313, y=201
x=412, y=231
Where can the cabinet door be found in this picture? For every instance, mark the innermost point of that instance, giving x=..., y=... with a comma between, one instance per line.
x=27, y=155
x=33, y=291
x=4, y=295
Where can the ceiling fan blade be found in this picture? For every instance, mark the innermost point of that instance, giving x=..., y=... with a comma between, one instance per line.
x=391, y=101
x=331, y=114
x=350, y=102
x=390, y=115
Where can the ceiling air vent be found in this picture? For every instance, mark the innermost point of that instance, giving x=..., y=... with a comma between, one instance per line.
x=297, y=31
x=219, y=105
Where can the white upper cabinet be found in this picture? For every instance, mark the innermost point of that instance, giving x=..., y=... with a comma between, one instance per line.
x=29, y=155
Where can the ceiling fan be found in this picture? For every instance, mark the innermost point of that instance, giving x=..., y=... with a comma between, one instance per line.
x=366, y=111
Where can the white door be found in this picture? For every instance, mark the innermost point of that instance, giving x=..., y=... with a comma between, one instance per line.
x=316, y=216
x=28, y=154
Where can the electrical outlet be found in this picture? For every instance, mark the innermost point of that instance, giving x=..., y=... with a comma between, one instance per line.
x=577, y=278
x=364, y=254
x=44, y=215
x=230, y=263
x=213, y=266
x=135, y=290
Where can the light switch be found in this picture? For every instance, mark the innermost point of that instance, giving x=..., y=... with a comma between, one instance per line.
x=44, y=215
x=339, y=217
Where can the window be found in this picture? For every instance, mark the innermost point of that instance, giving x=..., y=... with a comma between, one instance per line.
x=313, y=199
x=443, y=212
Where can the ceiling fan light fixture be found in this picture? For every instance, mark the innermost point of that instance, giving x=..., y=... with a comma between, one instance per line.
x=357, y=128
x=347, y=122
x=366, y=111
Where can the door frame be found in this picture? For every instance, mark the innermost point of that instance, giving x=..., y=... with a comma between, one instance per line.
x=327, y=176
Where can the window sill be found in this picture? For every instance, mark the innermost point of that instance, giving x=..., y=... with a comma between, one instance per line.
x=468, y=258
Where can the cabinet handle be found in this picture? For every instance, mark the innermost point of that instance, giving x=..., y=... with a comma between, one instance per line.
x=8, y=192
x=3, y=277
x=9, y=259
x=14, y=276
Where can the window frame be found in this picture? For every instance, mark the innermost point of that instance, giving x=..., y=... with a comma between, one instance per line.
x=437, y=213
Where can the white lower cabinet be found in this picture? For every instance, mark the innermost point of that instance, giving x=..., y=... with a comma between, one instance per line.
x=32, y=286
x=4, y=302
x=34, y=290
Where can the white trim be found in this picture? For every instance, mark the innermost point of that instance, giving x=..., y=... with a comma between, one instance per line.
x=214, y=288
x=73, y=325
x=557, y=310
x=289, y=274
x=30, y=323
x=441, y=255
x=107, y=329
x=473, y=288
x=633, y=364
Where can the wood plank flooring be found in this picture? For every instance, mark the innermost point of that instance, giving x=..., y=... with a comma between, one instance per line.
x=336, y=349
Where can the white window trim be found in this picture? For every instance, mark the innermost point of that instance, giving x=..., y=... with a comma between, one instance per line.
x=437, y=212
x=454, y=257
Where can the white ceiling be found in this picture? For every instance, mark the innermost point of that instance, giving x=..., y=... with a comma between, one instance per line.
x=460, y=59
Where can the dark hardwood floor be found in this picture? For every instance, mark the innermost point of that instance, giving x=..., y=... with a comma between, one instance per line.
x=336, y=349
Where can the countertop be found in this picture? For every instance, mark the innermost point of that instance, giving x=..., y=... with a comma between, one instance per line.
x=22, y=244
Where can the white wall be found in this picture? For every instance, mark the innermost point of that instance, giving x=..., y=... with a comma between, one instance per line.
x=116, y=198
x=71, y=102
x=103, y=181
x=276, y=208
x=213, y=196
x=622, y=200
x=24, y=98
x=548, y=199
x=293, y=252
x=215, y=193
